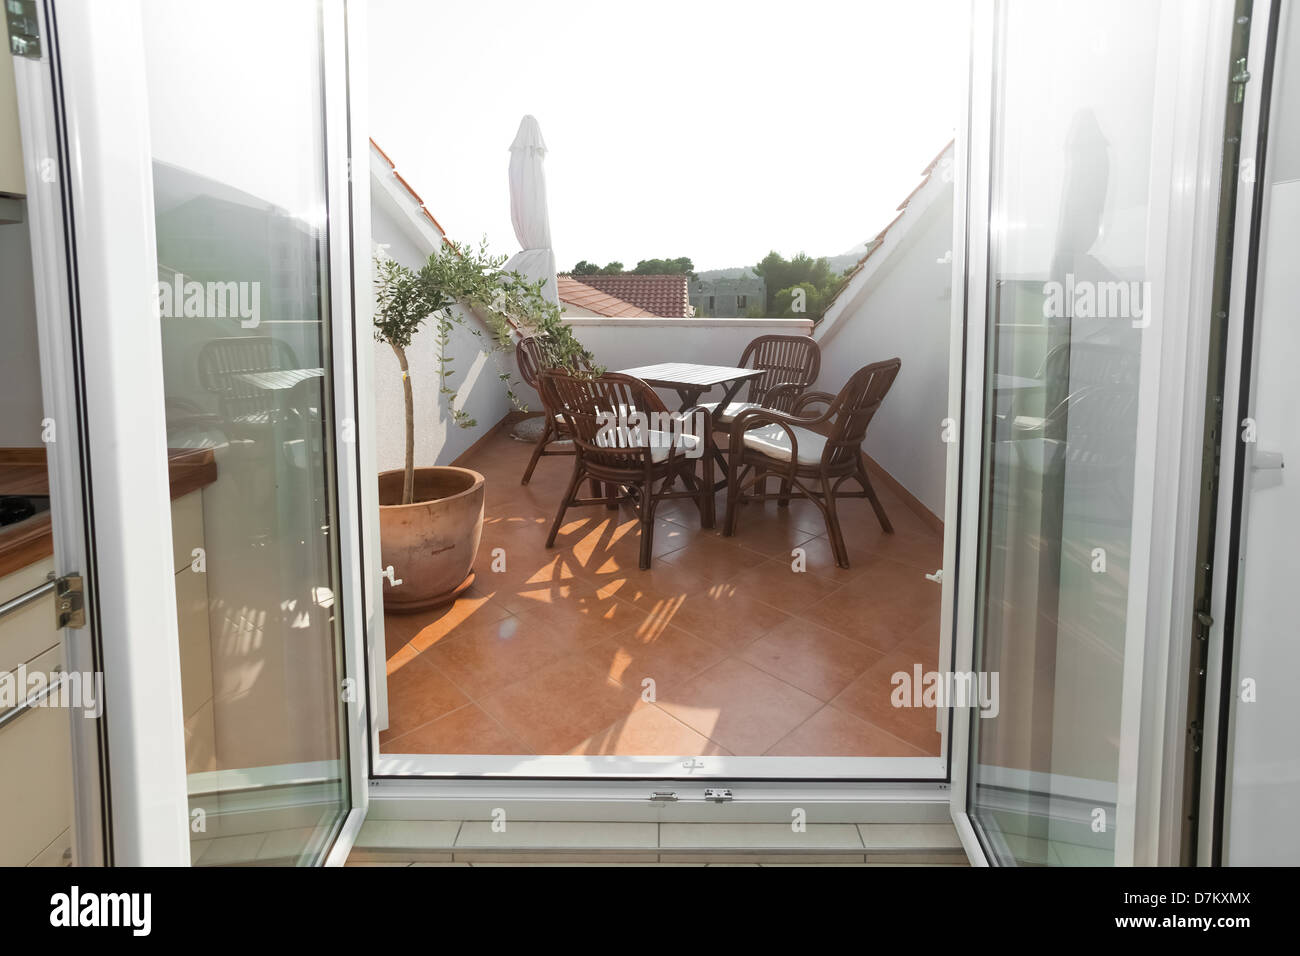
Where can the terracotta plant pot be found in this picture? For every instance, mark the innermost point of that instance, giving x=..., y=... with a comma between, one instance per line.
x=431, y=544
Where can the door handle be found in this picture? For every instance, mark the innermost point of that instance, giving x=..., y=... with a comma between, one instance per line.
x=1262, y=460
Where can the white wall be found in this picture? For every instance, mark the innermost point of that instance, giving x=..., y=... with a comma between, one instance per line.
x=438, y=440
x=901, y=309
x=20, y=363
x=628, y=343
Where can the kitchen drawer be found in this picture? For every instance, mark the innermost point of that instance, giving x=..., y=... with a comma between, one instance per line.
x=58, y=853
x=30, y=630
x=187, y=529
x=36, y=785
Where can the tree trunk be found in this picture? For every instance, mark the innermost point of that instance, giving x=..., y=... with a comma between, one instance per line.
x=408, y=482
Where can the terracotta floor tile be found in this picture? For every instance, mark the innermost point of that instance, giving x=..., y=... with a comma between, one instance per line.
x=835, y=733
x=714, y=558
x=417, y=694
x=721, y=614
x=870, y=698
x=468, y=730
x=488, y=657
x=771, y=530
x=613, y=545
x=649, y=732
x=560, y=706
x=775, y=582
x=588, y=614
x=739, y=707
x=669, y=657
x=542, y=638
x=423, y=629
x=880, y=607
x=812, y=658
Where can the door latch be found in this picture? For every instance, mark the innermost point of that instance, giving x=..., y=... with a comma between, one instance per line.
x=69, y=601
x=718, y=795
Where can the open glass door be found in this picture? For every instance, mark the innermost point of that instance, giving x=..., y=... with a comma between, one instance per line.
x=212, y=236
x=1070, y=276
x=247, y=313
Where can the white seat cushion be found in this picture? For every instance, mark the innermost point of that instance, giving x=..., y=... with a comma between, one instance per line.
x=728, y=414
x=659, y=442
x=774, y=442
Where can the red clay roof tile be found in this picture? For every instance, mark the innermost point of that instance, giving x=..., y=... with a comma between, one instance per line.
x=661, y=295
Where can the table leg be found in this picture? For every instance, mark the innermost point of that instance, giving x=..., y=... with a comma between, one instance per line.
x=690, y=397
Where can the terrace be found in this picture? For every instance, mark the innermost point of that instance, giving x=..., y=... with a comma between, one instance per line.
x=748, y=657
x=752, y=645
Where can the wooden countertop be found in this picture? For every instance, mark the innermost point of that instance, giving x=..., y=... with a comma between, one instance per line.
x=22, y=472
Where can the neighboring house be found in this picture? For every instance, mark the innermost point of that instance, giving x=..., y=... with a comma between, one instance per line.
x=896, y=302
x=662, y=295
x=581, y=300
x=728, y=298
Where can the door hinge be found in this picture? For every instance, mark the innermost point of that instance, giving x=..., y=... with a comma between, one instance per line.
x=718, y=796
x=1240, y=77
x=24, y=29
x=69, y=601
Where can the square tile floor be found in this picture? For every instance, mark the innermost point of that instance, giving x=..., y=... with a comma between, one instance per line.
x=725, y=646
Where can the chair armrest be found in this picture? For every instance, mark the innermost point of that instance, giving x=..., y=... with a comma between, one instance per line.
x=812, y=398
x=755, y=417
x=783, y=396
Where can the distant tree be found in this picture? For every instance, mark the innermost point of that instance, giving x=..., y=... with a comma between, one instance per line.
x=802, y=301
x=681, y=266
x=585, y=268
x=782, y=276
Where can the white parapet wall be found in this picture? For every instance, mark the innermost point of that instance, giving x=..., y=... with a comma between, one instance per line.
x=629, y=343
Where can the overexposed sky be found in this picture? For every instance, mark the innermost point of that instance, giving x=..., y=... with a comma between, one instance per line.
x=712, y=129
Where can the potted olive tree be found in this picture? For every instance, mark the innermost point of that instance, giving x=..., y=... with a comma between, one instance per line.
x=431, y=518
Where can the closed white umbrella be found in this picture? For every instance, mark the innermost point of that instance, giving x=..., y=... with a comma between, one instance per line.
x=528, y=208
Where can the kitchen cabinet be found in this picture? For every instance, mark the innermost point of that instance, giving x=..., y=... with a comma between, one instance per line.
x=35, y=742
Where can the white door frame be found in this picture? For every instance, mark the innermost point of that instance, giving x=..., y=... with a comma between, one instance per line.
x=1191, y=61
x=110, y=456
x=1216, y=708
x=100, y=146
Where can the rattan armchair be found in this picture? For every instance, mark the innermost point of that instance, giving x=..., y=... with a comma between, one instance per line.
x=811, y=454
x=612, y=420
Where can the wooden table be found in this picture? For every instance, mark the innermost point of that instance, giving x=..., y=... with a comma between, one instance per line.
x=690, y=381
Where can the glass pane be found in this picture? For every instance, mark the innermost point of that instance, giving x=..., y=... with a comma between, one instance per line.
x=240, y=201
x=1066, y=300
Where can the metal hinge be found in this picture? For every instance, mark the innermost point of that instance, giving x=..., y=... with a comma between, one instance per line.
x=663, y=796
x=718, y=796
x=1240, y=77
x=24, y=29
x=69, y=601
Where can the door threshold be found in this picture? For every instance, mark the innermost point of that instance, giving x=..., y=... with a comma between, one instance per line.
x=658, y=801
x=507, y=841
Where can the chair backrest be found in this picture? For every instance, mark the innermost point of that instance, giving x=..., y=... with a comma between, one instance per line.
x=590, y=405
x=531, y=358
x=853, y=409
x=223, y=362
x=785, y=360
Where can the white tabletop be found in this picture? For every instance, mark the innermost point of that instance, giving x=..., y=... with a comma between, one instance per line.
x=674, y=374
